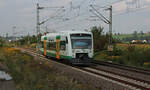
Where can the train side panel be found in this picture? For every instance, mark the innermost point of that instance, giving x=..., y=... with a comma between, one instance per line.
x=76, y=47
x=57, y=46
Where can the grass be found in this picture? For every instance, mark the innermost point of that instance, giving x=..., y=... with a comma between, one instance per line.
x=121, y=36
x=125, y=46
x=29, y=74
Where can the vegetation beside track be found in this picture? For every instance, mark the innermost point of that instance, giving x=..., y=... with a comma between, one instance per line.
x=29, y=74
x=134, y=36
x=127, y=54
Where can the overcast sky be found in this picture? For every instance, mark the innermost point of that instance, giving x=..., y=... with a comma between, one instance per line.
x=128, y=15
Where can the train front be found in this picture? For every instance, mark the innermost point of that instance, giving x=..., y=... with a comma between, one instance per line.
x=82, y=48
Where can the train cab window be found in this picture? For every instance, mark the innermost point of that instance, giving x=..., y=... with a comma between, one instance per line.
x=81, y=41
x=66, y=40
x=63, y=45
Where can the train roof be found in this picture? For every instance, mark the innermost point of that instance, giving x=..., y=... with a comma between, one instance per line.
x=54, y=34
x=65, y=32
x=71, y=32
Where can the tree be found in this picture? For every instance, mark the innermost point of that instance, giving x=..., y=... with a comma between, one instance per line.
x=27, y=39
x=100, y=40
x=142, y=34
x=135, y=34
x=1, y=42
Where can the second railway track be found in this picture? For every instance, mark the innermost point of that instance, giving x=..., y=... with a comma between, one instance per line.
x=129, y=68
x=133, y=82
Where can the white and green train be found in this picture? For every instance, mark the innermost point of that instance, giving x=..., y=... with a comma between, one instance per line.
x=74, y=46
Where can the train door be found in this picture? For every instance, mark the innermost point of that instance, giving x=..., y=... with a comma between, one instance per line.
x=64, y=47
x=58, y=47
x=45, y=45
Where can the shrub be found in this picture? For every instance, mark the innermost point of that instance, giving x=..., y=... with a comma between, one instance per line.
x=132, y=55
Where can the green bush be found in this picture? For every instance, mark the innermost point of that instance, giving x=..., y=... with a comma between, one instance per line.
x=131, y=56
x=135, y=56
x=1, y=42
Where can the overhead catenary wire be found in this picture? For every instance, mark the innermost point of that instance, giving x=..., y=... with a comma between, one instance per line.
x=100, y=15
x=71, y=25
x=74, y=17
x=67, y=19
x=70, y=19
x=64, y=18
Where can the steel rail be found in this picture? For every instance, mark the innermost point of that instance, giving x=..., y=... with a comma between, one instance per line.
x=123, y=67
x=119, y=80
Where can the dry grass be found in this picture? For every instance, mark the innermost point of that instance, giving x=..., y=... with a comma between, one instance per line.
x=30, y=74
x=140, y=46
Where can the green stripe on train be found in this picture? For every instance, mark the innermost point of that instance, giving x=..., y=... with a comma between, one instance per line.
x=45, y=38
x=54, y=55
x=57, y=37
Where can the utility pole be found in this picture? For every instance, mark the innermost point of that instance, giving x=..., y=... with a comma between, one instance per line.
x=110, y=26
x=38, y=21
x=107, y=21
x=46, y=29
x=110, y=46
x=38, y=17
x=28, y=38
x=37, y=24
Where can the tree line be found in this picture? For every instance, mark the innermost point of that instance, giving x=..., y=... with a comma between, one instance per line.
x=137, y=36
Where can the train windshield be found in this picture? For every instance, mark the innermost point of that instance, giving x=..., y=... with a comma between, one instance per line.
x=81, y=41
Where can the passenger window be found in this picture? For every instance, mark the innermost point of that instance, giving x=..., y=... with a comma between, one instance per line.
x=52, y=45
x=48, y=45
x=63, y=45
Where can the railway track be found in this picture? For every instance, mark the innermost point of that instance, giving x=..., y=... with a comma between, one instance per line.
x=123, y=67
x=130, y=82
x=119, y=79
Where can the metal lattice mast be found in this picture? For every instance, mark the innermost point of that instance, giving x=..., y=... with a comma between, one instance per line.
x=37, y=23
x=110, y=26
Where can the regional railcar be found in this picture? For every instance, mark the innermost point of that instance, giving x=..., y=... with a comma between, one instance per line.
x=74, y=46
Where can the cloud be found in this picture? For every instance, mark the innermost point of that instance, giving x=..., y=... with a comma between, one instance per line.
x=119, y=6
x=54, y=3
x=130, y=5
x=147, y=0
x=2, y=3
x=23, y=12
